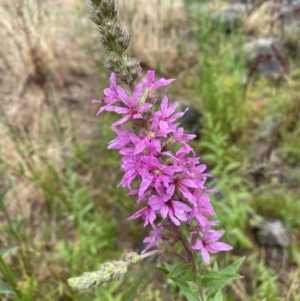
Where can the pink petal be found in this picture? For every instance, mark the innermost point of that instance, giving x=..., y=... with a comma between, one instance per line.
x=186, y=194
x=144, y=107
x=189, y=183
x=150, y=77
x=97, y=101
x=121, y=121
x=118, y=110
x=205, y=255
x=138, y=214
x=164, y=211
x=137, y=93
x=144, y=186
x=164, y=104
x=213, y=235
x=219, y=246
x=175, y=117
x=164, y=125
x=139, y=147
x=174, y=219
x=172, y=109
x=198, y=245
x=162, y=82
x=124, y=96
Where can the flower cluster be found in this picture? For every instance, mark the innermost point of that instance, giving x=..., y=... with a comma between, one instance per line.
x=160, y=167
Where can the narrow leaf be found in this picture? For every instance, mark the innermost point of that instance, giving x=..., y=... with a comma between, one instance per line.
x=215, y=267
x=162, y=270
x=179, y=269
x=8, y=250
x=214, y=281
x=7, y=273
x=6, y=290
x=218, y=276
x=218, y=296
x=187, y=290
x=234, y=266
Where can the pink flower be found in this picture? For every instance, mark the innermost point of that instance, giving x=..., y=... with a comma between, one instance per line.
x=148, y=146
x=177, y=211
x=155, y=131
x=132, y=109
x=180, y=137
x=146, y=213
x=199, y=213
x=131, y=166
x=166, y=117
x=180, y=157
x=111, y=95
x=122, y=140
x=160, y=83
x=156, y=173
x=183, y=184
x=152, y=240
x=195, y=171
x=209, y=244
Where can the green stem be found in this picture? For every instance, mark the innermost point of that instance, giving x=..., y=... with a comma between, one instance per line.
x=191, y=259
x=148, y=254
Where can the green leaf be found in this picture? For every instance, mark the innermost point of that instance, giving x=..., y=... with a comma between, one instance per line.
x=218, y=277
x=164, y=271
x=232, y=166
x=242, y=238
x=6, y=290
x=179, y=269
x=234, y=266
x=218, y=296
x=214, y=281
x=215, y=267
x=7, y=273
x=8, y=250
x=208, y=145
x=188, y=289
x=209, y=157
x=29, y=290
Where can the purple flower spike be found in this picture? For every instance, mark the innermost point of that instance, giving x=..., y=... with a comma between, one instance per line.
x=162, y=168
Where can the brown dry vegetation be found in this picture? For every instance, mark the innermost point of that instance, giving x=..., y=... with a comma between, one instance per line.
x=44, y=59
x=43, y=64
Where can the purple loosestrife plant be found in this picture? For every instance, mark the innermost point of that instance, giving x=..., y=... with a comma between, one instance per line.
x=169, y=183
x=161, y=171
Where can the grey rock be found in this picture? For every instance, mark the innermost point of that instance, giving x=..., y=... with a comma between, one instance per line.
x=289, y=13
x=232, y=17
x=267, y=56
x=272, y=233
x=269, y=232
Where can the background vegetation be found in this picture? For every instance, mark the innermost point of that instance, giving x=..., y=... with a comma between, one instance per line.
x=60, y=210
